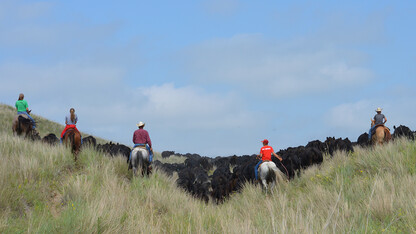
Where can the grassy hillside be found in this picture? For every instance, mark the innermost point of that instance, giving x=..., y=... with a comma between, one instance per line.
x=42, y=191
x=44, y=126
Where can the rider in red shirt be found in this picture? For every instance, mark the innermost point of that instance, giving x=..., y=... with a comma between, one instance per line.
x=266, y=153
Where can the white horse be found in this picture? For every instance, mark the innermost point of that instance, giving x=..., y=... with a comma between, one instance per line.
x=269, y=174
x=140, y=158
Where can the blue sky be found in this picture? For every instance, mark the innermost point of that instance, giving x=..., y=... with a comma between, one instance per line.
x=212, y=77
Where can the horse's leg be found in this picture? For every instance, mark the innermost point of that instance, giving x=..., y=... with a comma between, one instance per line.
x=134, y=165
x=148, y=170
x=14, y=127
x=134, y=162
x=264, y=182
x=77, y=144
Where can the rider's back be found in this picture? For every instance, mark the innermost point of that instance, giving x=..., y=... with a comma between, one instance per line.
x=21, y=105
x=378, y=119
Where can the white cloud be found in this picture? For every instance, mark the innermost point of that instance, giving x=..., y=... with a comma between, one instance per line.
x=193, y=107
x=274, y=68
x=351, y=116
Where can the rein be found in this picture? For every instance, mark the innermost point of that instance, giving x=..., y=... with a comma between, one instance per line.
x=287, y=173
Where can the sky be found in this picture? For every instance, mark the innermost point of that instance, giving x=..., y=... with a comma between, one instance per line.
x=213, y=77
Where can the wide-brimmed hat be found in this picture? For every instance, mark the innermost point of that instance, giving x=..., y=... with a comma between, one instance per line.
x=140, y=124
x=378, y=109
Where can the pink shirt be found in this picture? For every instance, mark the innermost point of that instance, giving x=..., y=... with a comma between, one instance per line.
x=141, y=136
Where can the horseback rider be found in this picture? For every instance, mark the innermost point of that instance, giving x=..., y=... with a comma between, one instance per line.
x=70, y=122
x=23, y=109
x=141, y=138
x=266, y=153
x=379, y=119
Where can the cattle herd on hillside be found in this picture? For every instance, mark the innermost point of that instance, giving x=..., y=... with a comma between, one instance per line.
x=217, y=178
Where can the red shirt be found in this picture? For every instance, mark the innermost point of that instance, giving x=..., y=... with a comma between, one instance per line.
x=141, y=136
x=266, y=152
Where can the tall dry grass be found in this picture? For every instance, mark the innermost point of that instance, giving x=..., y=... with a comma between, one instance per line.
x=42, y=190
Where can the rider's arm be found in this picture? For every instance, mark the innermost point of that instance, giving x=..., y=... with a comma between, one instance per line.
x=277, y=156
x=27, y=107
x=149, y=142
x=385, y=119
x=259, y=156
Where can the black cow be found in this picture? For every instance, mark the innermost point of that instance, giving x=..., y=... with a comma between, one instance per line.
x=50, y=139
x=403, y=131
x=309, y=156
x=201, y=185
x=186, y=179
x=363, y=140
x=221, y=161
x=338, y=144
x=222, y=184
x=194, y=181
x=321, y=146
x=115, y=149
x=167, y=154
x=244, y=173
x=89, y=141
x=168, y=168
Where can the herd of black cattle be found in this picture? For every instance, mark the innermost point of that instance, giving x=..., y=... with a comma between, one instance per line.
x=233, y=171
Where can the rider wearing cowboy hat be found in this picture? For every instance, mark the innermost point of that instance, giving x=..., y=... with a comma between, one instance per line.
x=379, y=119
x=141, y=137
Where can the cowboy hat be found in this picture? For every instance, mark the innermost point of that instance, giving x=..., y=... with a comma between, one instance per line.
x=378, y=109
x=140, y=124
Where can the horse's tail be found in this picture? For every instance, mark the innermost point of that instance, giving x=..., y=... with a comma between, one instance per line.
x=141, y=162
x=387, y=134
x=271, y=175
x=72, y=140
x=279, y=176
x=136, y=159
x=19, y=125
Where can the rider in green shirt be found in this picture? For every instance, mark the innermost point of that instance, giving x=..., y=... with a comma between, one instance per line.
x=23, y=108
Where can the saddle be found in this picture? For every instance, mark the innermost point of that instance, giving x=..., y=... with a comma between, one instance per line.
x=23, y=116
x=74, y=129
x=377, y=126
x=264, y=162
x=140, y=146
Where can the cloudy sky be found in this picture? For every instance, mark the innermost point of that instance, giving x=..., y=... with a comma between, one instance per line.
x=212, y=77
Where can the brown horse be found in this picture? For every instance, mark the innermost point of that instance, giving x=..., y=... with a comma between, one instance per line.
x=381, y=135
x=72, y=138
x=22, y=125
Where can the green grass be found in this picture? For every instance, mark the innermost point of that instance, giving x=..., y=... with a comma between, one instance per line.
x=43, y=191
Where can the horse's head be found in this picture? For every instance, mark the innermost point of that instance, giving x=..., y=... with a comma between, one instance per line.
x=373, y=122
